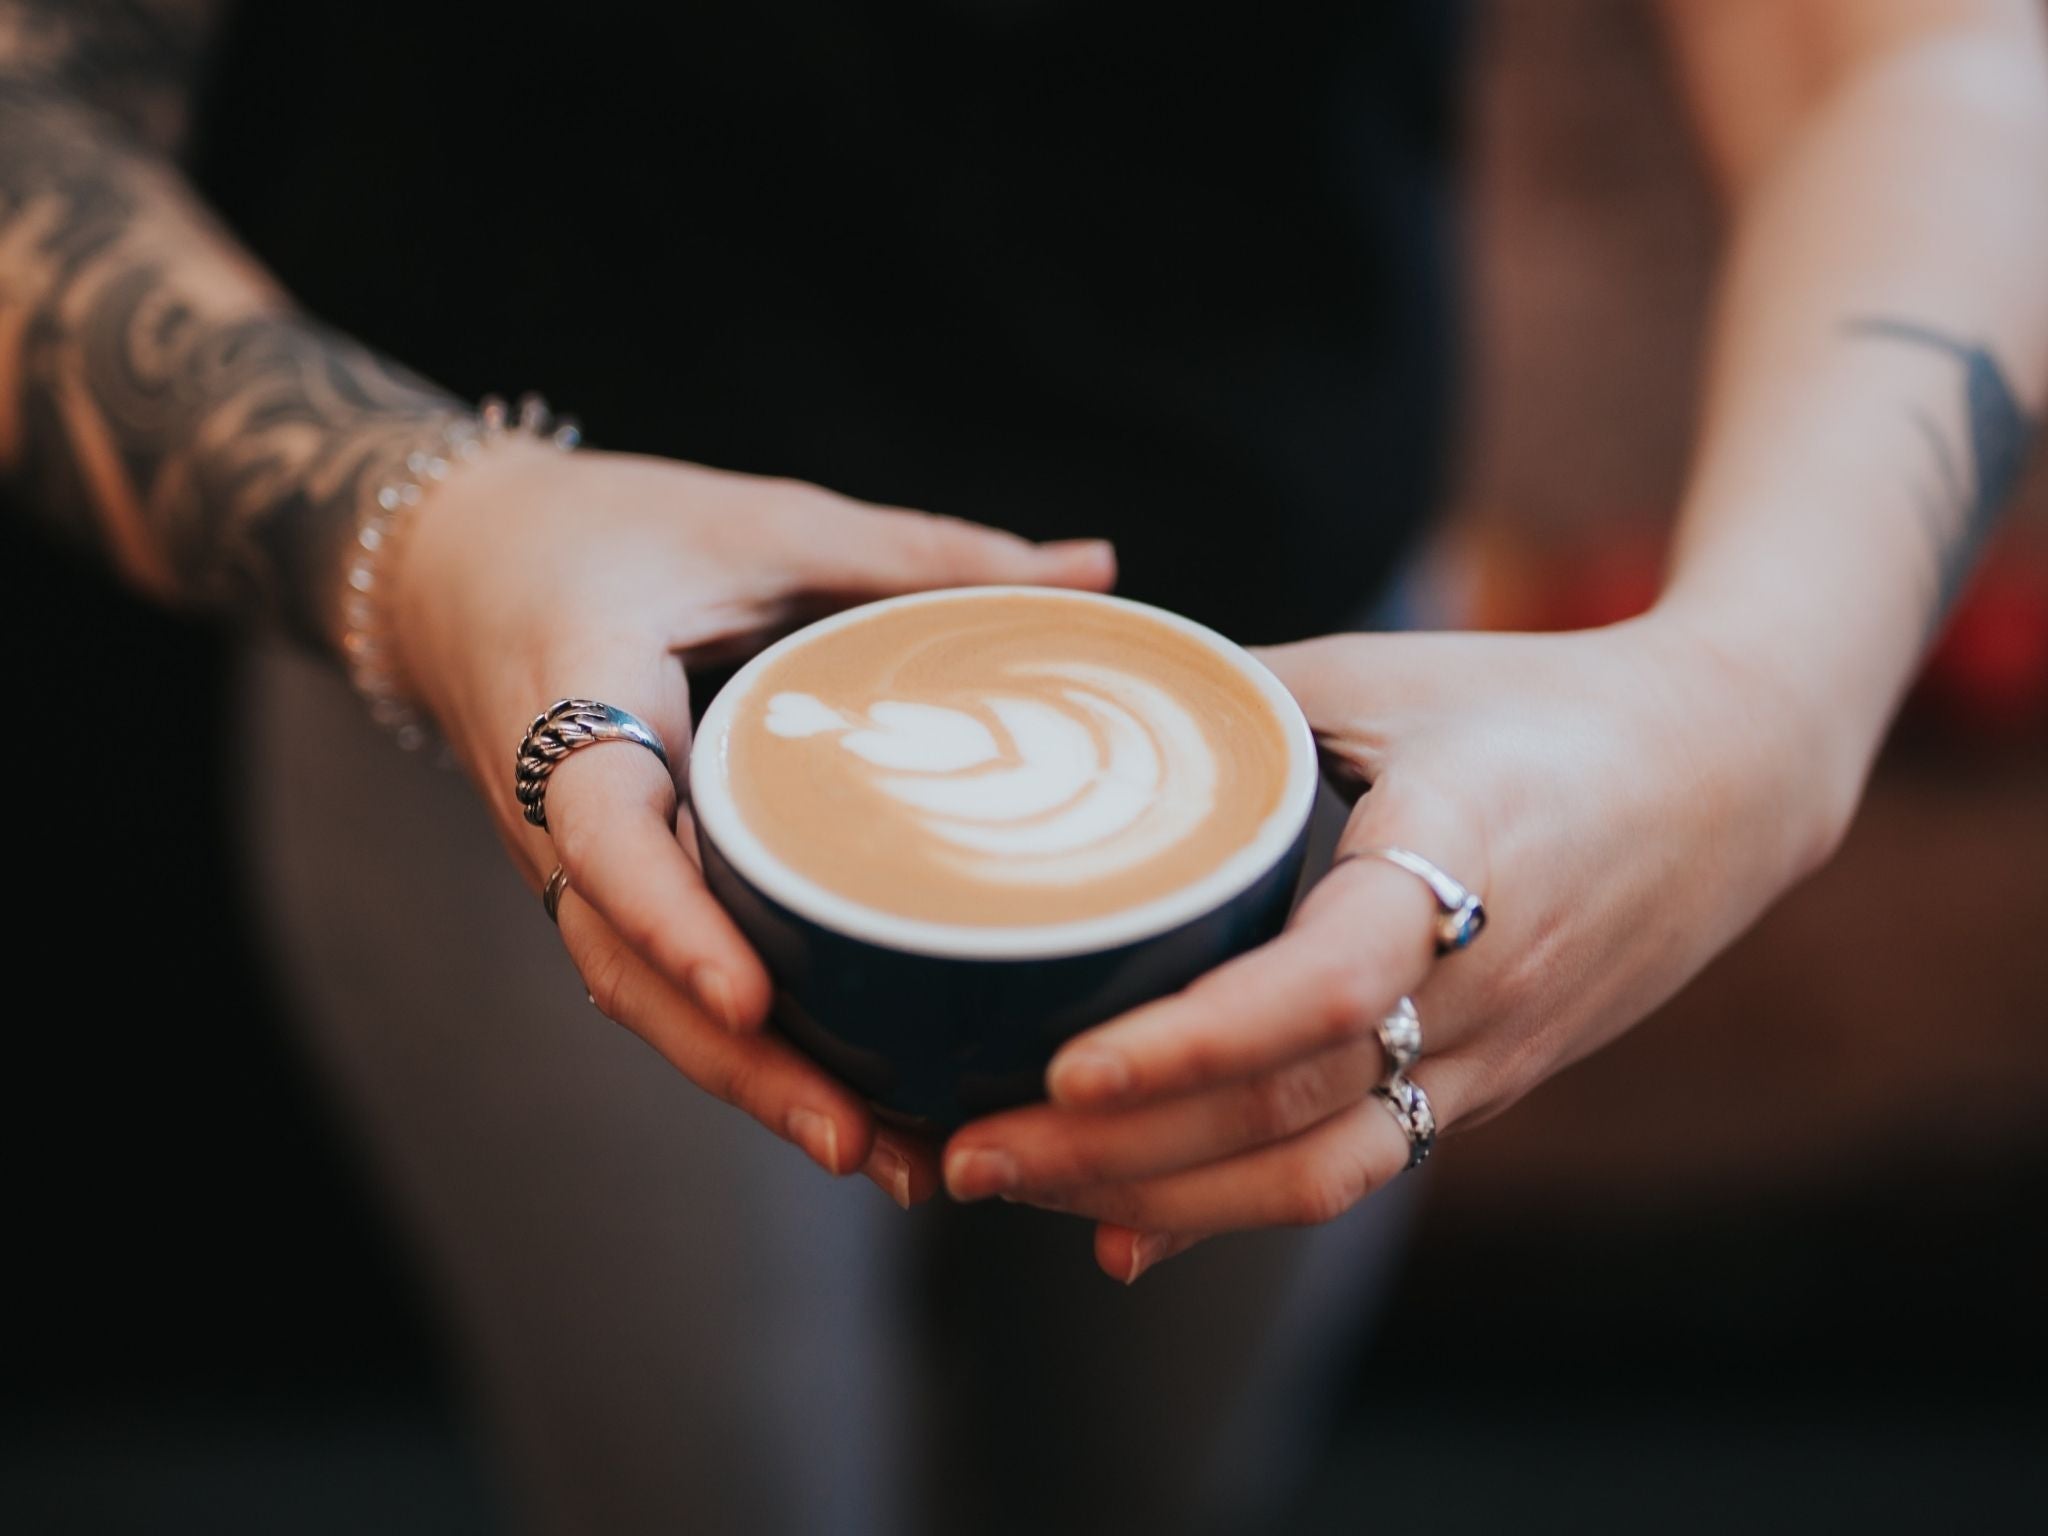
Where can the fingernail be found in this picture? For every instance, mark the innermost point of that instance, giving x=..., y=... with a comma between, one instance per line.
x=975, y=1173
x=817, y=1135
x=891, y=1170
x=714, y=993
x=1097, y=552
x=1088, y=1074
x=1145, y=1252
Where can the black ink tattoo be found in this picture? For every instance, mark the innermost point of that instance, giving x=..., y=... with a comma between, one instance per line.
x=157, y=395
x=134, y=60
x=1960, y=518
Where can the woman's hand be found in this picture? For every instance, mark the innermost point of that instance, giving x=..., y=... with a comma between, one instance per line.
x=532, y=576
x=1626, y=800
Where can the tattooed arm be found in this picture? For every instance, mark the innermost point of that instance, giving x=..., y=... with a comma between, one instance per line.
x=1882, y=340
x=158, y=396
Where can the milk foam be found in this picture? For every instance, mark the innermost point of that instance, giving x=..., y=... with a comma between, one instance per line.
x=1077, y=783
x=1012, y=771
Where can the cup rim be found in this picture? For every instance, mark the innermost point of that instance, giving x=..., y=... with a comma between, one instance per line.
x=718, y=819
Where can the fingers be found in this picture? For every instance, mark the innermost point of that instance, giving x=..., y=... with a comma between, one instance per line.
x=1359, y=941
x=880, y=551
x=1370, y=683
x=1310, y=1178
x=1322, y=673
x=609, y=813
x=1042, y=1148
x=758, y=1074
x=1124, y=1254
x=904, y=1165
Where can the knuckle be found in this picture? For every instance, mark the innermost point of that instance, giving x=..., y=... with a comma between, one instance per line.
x=570, y=835
x=950, y=543
x=641, y=932
x=664, y=940
x=1201, y=1057
x=607, y=973
x=738, y=1082
x=1077, y=1167
x=1276, y=1106
x=925, y=538
x=753, y=995
x=792, y=512
x=1350, y=1002
x=805, y=497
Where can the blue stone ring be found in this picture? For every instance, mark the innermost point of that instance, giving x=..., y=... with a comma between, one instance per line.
x=1460, y=914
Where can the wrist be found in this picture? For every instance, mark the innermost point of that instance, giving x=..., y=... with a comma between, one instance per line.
x=394, y=471
x=273, y=451
x=436, y=531
x=1802, y=761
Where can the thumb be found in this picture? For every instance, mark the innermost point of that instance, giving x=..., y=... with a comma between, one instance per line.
x=1322, y=674
x=891, y=551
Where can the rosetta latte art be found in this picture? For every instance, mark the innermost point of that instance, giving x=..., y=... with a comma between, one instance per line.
x=1072, y=783
x=1009, y=759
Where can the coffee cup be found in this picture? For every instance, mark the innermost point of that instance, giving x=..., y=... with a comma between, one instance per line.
x=962, y=826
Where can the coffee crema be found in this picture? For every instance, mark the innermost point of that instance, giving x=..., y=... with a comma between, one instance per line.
x=1004, y=760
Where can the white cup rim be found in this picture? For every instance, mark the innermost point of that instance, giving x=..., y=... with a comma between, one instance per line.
x=719, y=821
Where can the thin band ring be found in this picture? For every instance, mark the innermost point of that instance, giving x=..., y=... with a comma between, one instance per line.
x=1409, y=1106
x=551, y=894
x=1460, y=914
x=566, y=726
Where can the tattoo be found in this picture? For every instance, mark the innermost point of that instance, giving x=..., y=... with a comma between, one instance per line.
x=1961, y=515
x=134, y=60
x=157, y=396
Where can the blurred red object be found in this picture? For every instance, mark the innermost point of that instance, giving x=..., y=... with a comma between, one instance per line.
x=1989, y=671
x=1986, y=680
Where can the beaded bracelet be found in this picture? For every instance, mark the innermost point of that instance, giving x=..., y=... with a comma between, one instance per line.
x=367, y=644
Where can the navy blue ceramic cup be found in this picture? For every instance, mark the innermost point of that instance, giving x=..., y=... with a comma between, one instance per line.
x=936, y=1023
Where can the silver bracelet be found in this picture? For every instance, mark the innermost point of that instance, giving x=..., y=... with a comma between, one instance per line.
x=368, y=646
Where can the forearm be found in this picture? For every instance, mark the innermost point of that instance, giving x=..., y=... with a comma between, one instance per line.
x=159, y=399
x=1881, y=342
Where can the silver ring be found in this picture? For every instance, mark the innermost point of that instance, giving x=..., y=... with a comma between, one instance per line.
x=1460, y=914
x=551, y=894
x=1409, y=1106
x=560, y=729
x=1400, y=1035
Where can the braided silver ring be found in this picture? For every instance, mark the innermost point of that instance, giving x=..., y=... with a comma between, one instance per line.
x=1409, y=1106
x=1460, y=914
x=551, y=894
x=1400, y=1035
x=562, y=728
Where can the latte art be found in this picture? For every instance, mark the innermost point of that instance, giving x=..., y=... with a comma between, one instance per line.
x=1014, y=759
x=1104, y=775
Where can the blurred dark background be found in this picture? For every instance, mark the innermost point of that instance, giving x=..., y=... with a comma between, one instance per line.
x=1771, y=1262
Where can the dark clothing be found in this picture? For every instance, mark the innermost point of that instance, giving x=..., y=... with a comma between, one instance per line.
x=1171, y=272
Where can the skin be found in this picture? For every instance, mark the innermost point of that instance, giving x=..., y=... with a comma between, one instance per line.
x=716, y=563
x=161, y=403
x=1628, y=799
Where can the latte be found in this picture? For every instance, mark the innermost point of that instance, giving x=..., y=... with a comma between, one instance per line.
x=1008, y=759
